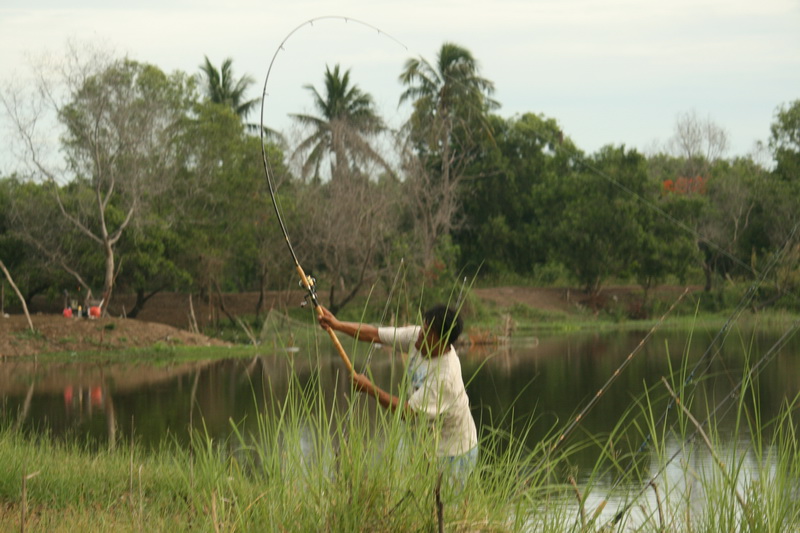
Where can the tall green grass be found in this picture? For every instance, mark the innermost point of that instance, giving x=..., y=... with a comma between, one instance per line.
x=311, y=466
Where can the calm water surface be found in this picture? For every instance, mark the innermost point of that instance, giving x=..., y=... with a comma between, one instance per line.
x=536, y=381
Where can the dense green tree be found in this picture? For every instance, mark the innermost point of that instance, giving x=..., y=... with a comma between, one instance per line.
x=45, y=254
x=597, y=228
x=785, y=142
x=149, y=266
x=120, y=124
x=230, y=240
x=13, y=252
x=783, y=197
x=347, y=122
x=10, y=246
x=666, y=245
x=502, y=230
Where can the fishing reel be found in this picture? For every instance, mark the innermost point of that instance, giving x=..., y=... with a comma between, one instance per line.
x=311, y=295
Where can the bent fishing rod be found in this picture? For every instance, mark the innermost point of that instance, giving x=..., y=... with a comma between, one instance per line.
x=308, y=282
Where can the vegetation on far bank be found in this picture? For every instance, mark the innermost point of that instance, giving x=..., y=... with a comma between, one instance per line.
x=161, y=187
x=677, y=310
x=491, y=315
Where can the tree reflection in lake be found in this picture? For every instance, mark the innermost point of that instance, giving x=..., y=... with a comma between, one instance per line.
x=544, y=381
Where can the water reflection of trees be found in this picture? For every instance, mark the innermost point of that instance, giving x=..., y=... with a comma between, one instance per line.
x=79, y=403
x=76, y=398
x=548, y=382
x=546, y=385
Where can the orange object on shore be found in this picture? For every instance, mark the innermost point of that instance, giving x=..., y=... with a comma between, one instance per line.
x=96, y=395
x=94, y=312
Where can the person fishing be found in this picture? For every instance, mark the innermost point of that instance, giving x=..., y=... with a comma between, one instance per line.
x=437, y=390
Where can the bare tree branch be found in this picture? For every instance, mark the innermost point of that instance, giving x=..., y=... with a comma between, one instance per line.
x=19, y=294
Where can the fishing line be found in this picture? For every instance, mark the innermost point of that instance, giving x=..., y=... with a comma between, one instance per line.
x=582, y=414
x=581, y=160
x=715, y=346
x=721, y=334
x=754, y=372
x=308, y=282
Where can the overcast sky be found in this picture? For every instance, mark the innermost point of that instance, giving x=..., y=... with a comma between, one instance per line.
x=609, y=71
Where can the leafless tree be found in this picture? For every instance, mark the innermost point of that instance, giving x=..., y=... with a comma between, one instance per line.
x=433, y=201
x=699, y=141
x=347, y=233
x=16, y=291
x=117, y=122
x=734, y=195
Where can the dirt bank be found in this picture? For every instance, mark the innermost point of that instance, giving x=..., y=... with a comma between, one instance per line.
x=54, y=333
x=166, y=317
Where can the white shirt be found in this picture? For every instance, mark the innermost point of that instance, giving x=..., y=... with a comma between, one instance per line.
x=437, y=391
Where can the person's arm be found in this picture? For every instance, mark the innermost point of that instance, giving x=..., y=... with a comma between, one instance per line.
x=357, y=330
x=363, y=384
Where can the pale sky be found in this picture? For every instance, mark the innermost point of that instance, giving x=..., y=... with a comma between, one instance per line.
x=609, y=71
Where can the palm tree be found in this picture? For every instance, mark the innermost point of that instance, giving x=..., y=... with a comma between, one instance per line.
x=221, y=88
x=446, y=96
x=451, y=104
x=346, y=122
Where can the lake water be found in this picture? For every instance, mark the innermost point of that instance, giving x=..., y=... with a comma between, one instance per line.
x=537, y=381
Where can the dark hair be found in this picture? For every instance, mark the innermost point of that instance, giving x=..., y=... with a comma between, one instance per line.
x=445, y=322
